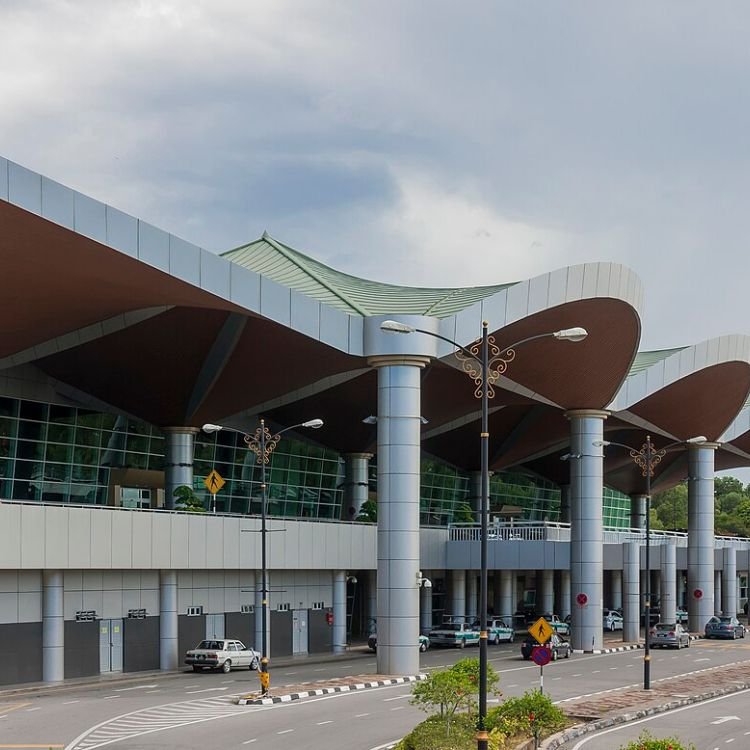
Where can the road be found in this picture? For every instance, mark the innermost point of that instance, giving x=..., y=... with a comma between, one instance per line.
x=195, y=711
x=710, y=725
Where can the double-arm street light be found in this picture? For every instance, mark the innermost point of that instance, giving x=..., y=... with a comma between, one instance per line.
x=263, y=443
x=492, y=362
x=647, y=458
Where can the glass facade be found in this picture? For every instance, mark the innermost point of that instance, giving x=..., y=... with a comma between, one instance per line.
x=52, y=453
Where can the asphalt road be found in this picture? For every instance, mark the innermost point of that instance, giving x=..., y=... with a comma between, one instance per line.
x=195, y=711
x=713, y=724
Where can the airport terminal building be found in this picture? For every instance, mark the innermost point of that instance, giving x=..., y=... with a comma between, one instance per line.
x=120, y=341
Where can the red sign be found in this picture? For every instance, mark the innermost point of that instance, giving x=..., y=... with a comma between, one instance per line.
x=540, y=655
x=582, y=600
x=698, y=593
x=329, y=618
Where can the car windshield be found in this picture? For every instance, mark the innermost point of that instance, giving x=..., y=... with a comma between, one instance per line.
x=666, y=626
x=725, y=620
x=218, y=645
x=451, y=626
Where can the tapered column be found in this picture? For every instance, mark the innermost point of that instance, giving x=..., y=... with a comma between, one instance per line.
x=729, y=584
x=700, y=535
x=638, y=511
x=372, y=602
x=472, y=593
x=717, y=592
x=586, y=530
x=681, y=589
x=565, y=603
x=168, y=648
x=458, y=593
x=339, y=612
x=631, y=587
x=53, y=627
x=356, y=485
x=547, y=603
x=425, y=606
x=616, y=581
x=178, y=460
x=399, y=426
x=668, y=598
x=505, y=606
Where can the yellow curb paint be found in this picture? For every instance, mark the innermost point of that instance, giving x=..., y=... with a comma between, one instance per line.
x=6, y=709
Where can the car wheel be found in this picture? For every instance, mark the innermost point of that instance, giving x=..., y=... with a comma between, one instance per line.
x=554, y=655
x=611, y=627
x=226, y=667
x=567, y=654
x=462, y=644
x=513, y=637
x=422, y=647
x=254, y=663
x=496, y=640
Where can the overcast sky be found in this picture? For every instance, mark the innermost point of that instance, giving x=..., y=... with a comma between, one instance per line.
x=425, y=143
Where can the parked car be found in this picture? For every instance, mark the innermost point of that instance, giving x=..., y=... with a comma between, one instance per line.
x=498, y=631
x=612, y=620
x=372, y=642
x=722, y=626
x=224, y=654
x=669, y=635
x=682, y=616
x=558, y=647
x=560, y=627
x=458, y=634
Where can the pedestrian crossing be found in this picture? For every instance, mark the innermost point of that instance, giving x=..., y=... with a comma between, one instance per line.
x=155, y=719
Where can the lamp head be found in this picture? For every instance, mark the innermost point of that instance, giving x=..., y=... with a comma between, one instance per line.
x=209, y=428
x=697, y=440
x=393, y=326
x=600, y=443
x=427, y=583
x=313, y=424
x=571, y=334
x=372, y=419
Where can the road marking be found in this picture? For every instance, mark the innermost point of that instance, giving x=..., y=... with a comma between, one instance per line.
x=722, y=719
x=70, y=703
x=137, y=687
x=107, y=697
x=397, y=698
x=46, y=746
x=248, y=742
x=14, y=707
x=320, y=723
x=205, y=690
x=596, y=671
x=29, y=710
x=153, y=691
x=398, y=708
x=285, y=731
x=359, y=716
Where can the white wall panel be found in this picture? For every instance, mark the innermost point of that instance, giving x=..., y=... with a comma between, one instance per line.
x=92, y=600
x=184, y=260
x=111, y=580
x=161, y=541
x=356, y=335
x=10, y=536
x=101, y=539
x=122, y=540
x=574, y=289
x=230, y=543
x=150, y=601
x=275, y=301
x=590, y=279
x=73, y=580
x=244, y=287
x=141, y=530
x=30, y=607
x=56, y=537
x=603, y=279
x=58, y=204
x=24, y=188
x=32, y=535
x=214, y=542
x=29, y=580
x=518, y=302
x=112, y=604
x=122, y=231
x=92, y=580
x=3, y=179
x=215, y=274
x=153, y=246
x=178, y=541
x=305, y=314
x=9, y=607
x=200, y=579
x=538, y=293
x=90, y=218
x=133, y=600
x=79, y=538
x=493, y=309
x=216, y=600
x=197, y=542
x=72, y=603
x=334, y=328
x=9, y=582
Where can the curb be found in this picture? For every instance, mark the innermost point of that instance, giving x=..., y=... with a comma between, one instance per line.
x=255, y=699
x=629, y=647
x=551, y=743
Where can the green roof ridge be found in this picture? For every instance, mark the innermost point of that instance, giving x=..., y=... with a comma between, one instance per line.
x=644, y=360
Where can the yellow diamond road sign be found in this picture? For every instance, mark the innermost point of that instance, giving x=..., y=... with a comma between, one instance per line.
x=541, y=630
x=214, y=482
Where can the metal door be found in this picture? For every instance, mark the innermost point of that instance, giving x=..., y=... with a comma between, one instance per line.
x=215, y=626
x=299, y=631
x=110, y=646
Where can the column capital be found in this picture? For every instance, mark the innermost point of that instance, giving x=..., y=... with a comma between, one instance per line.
x=581, y=413
x=708, y=444
x=366, y=456
x=181, y=430
x=409, y=360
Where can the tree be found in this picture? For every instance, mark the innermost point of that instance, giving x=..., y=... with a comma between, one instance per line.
x=188, y=500
x=452, y=689
x=669, y=508
x=646, y=741
x=368, y=512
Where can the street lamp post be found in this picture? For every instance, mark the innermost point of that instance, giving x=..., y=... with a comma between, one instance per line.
x=263, y=443
x=493, y=362
x=647, y=458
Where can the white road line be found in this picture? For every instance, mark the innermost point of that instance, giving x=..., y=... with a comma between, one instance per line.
x=320, y=723
x=70, y=703
x=285, y=731
x=107, y=697
x=398, y=708
x=29, y=710
x=137, y=687
x=205, y=690
x=248, y=742
x=359, y=716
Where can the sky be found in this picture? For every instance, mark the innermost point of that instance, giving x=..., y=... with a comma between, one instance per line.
x=414, y=142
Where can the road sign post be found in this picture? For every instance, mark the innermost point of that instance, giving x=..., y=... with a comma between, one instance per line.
x=541, y=655
x=541, y=630
x=214, y=482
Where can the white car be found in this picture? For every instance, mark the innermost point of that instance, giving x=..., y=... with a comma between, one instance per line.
x=612, y=620
x=224, y=654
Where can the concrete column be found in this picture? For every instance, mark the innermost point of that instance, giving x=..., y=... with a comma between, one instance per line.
x=668, y=580
x=700, y=535
x=729, y=585
x=178, y=460
x=425, y=606
x=339, y=612
x=655, y=585
x=372, y=601
x=458, y=593
x=472, y=594
x=631, y=599
x=717, y=592
x=505, y=605
x=564, y=503
x=638, y=511
x=565, y=593
x=399, y=448
x=616, y=589
x=53, y=627
x=586, y=529
x=168, y=648
x=356, y=484
x=681, y=589
x=547, y=602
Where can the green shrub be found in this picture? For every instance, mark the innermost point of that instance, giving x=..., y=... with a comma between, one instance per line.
x=646, y=741
x=532, y=712
x=430, y=735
